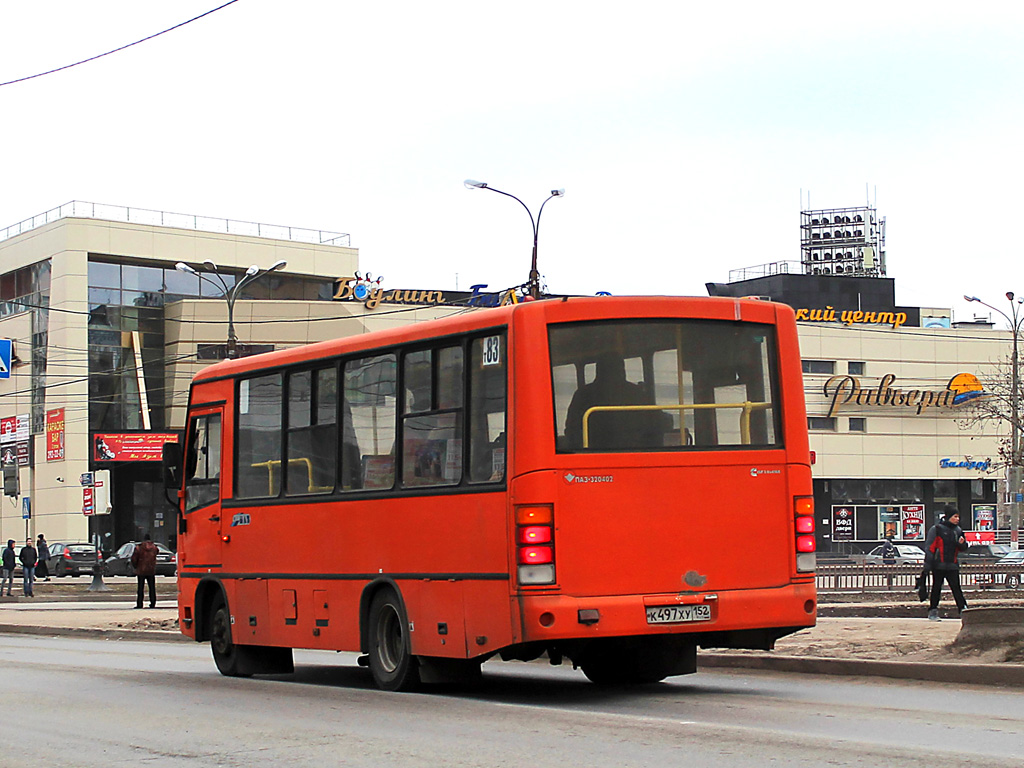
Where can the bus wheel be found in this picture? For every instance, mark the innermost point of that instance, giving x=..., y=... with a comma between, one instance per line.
x=393, y=666
x=226, y=654
x=1013, y=581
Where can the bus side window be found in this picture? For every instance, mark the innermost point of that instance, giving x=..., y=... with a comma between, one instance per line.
x=369, y=412
x=258, y=469
x=432, y=419
x=312, y=431
x=487, y=404
x=202, y=463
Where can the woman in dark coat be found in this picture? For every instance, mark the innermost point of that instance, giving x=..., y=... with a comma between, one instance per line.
x=43, y=553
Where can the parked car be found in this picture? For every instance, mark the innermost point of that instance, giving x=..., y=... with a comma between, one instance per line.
x=1014, y=560
x=120, y=563
x=984, y=553
x=905, y=553
x=73, y=559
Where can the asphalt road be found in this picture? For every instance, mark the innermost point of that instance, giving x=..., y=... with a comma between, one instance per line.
x=111, y=703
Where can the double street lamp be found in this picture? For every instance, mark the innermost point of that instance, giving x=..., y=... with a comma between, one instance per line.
x=1015, y=319
x=230, y=292
x=534, y=281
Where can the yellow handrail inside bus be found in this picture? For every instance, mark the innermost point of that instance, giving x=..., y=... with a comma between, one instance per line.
x=747, y=406
x=310, y=488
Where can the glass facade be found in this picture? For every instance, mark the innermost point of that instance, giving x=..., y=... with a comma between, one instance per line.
x=126, y=316
x=28, y=290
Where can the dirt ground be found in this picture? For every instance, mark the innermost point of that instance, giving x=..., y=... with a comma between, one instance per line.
x=894, y=627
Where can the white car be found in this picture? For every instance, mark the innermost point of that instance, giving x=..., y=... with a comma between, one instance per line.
x=905, y=554
x=1012, y=576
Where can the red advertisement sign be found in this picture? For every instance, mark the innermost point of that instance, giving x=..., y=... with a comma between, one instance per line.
x=55, y=435
x=980, y=537
x=88, y=504
x=128, y=446
x=912, y=520
x=8, y=427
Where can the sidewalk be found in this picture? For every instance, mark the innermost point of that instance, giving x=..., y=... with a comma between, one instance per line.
x=889, y=637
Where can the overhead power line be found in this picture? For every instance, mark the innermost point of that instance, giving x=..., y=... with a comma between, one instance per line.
x=115, y=50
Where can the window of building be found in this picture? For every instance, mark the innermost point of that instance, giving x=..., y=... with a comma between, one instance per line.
x=858, y=424
x=258, y=469
x=855, y=368
x=821, y=423
x=819, y=366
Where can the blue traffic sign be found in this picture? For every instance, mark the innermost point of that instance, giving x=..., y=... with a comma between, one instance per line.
x=5, y=358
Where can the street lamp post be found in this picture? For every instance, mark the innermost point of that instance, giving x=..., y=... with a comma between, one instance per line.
x=231, y=292
x=534, y=282
x=1013, y=475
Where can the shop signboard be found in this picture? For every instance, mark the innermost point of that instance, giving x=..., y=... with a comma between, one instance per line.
x=88, y=505
x=8, y=427
x=912, y=522
x=980, y=537
x=131, y=446
x=984, y=517
x=55, y=435
x=842, y=523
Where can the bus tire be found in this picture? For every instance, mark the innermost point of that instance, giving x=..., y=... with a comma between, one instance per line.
x=1013, y=581
x=393, y=666
x=229, y=658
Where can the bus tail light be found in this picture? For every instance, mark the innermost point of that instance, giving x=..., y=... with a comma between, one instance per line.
x=535, y=544
x=806, y=545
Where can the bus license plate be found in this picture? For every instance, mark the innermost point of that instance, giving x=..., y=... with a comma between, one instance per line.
x=677, y=614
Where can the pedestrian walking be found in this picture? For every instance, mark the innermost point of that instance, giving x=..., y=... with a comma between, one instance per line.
x=43, y=559
x=945, y=541
x=9, y=560
x=28, y=566
x=144, y=563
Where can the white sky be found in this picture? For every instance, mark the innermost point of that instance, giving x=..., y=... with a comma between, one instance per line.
x=683, y=132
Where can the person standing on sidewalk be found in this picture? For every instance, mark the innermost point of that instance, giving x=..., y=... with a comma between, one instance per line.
x=945, y=541
x=8, y=567
x=43, y=556
x=28, y=566
x=144, y=563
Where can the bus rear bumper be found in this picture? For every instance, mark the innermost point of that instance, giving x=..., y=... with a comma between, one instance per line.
x=741, y=618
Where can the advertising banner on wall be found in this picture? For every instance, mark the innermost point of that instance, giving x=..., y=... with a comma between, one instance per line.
x=8, y=427
x=889, y=517
x=842, y=523
x=984, y=517
x=912, y=522
x=131, y=446
x=55, y=435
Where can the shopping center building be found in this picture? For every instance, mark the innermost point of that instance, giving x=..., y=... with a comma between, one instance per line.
x=107, y=333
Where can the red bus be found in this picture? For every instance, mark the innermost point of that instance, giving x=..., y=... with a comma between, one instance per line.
x=609, y=481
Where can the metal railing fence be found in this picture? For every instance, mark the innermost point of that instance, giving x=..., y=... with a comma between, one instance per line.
x=871, y=577
x=85, y=210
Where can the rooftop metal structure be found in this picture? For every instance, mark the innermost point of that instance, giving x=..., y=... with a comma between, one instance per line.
x=842, y=241
x=84, y=210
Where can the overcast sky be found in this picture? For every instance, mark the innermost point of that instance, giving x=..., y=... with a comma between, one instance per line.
x=685, y=134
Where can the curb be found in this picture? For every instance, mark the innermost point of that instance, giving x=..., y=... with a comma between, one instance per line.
x=1011, y=675
x=147, y=635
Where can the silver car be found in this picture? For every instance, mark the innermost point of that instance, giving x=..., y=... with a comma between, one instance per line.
x=905, y=554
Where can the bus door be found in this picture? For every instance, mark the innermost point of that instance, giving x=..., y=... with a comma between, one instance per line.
x=200, y=542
